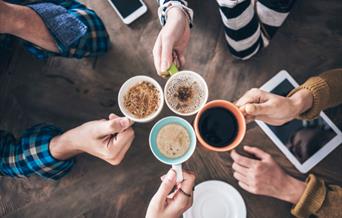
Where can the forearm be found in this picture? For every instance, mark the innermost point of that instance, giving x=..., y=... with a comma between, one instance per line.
x=166, y=5
x=302, y=101
x=30, y=154
x=23, y=22
x=292, y=190
x=62, y=149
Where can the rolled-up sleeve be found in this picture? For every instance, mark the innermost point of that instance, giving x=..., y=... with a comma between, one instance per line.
x=77, y=30
x=30, y=155
x=326, y=90
x=319, y=200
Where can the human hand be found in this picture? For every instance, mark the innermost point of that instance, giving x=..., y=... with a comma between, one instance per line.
x=105, y=139
x=263, y=176
x=274, y=109
x=166, y=205
x=173, y=38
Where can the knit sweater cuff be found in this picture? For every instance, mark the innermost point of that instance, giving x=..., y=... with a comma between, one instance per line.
x=312, y=199
x=319, y=90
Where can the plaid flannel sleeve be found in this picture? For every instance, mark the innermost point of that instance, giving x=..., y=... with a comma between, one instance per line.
x=77, y=30
x=165, y=5
x=30, y=154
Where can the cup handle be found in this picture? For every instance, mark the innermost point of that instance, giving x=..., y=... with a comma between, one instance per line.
x=179, y=172
x=173, y=69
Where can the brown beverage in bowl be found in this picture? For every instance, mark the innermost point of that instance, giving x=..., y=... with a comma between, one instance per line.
x=142, y=99
x=218, y=126
x=185, y=93
x=173, y=141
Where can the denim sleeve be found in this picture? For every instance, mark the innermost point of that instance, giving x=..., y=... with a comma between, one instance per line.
x=30, y=155
x=77, y=30
x=64, y=27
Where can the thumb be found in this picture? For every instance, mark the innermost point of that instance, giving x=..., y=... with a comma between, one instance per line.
x=113, y=126
x=112, y=116
x=166, y=55
x=166, y=186
x=257, y=109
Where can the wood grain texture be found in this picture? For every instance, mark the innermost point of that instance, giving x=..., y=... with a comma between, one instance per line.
x=68, y=92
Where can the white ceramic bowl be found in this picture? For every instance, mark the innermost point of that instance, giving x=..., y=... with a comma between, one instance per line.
x=196, y=77
x=129, y=84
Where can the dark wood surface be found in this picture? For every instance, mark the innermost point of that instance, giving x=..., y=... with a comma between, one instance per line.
x=69, y=92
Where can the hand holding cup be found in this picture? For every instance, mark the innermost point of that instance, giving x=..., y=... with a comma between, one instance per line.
x=166, y=205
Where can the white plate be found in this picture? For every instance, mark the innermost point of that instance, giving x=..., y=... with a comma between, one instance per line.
x=216, y=199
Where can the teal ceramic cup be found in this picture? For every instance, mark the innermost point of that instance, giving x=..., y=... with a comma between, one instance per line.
x=176, y=163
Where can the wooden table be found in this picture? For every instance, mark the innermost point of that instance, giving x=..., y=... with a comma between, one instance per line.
x=69, y=92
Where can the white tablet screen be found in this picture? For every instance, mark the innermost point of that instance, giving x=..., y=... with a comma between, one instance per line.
x=302, y=138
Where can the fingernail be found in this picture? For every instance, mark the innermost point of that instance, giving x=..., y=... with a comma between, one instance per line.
x=124, y=122
x=171, y=175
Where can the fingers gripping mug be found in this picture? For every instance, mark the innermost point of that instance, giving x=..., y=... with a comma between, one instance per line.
x=220, y=126
x=185, y=92
x=141, y=99
x=173, y=141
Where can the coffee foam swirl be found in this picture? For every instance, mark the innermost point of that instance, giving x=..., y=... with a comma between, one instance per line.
x=194, y=95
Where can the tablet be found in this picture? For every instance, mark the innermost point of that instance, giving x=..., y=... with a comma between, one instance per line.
x=304, y=143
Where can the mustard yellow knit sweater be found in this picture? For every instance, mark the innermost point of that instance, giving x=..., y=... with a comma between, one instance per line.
x=320, y=199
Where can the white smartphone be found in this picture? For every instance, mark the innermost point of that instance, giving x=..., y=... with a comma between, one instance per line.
x=128, y=10
x=304, y=143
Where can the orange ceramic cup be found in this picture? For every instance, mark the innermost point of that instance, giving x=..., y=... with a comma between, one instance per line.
x=240, y=121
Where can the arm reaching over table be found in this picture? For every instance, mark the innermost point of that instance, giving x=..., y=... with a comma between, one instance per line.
x=108, y=140
x=50, y=28
x=265, y=177
x=273, y=109
x=174, y=36
x=305, y=102
x=45, y=151
x=172, y=205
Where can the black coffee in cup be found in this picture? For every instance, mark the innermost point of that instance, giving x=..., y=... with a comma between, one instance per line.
x=218, y=126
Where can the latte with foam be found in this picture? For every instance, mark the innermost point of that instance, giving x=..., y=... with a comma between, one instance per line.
x=173, y=141
x=185, y=94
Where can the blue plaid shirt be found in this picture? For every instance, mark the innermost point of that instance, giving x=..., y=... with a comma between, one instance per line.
x=77, y=30
x=30, y=154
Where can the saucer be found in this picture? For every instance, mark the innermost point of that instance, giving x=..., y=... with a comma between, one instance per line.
x=216, y=199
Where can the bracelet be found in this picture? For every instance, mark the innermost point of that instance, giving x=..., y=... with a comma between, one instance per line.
x=164, y=8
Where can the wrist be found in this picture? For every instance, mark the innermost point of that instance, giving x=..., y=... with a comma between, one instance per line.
x=176, y=13
x=302, y=101
x=61, y=148
x=293, y=190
